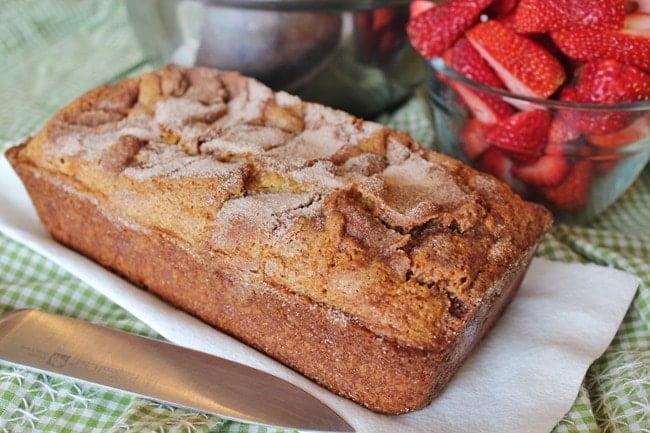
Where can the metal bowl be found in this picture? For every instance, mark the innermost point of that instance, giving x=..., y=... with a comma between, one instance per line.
x=352, y=55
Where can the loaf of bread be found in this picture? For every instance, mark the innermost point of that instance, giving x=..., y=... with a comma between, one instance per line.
x=338, y=246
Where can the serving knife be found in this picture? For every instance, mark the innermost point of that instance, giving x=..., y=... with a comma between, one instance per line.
x=160, y=371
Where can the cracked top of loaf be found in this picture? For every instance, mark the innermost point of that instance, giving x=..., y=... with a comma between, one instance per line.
x=295, y=196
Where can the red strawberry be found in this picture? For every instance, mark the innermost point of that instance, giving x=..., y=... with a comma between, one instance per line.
x=637, y=22
x=636, y=131
x=565, y=138
x=548, y=170
x=610, y=82
x=436, y=29
x=570, y=150
x=418, y=6
x=525, y=67
x=500, y=8
x=572, y=195
x=563, y=127
x=464, y=58
x=473, y=139
x=642, y=6
x=538, y=16
x=626, y=45
x=606, y=82
x=522, y=136
x=508, y=20
x=496, y=163
x=485, y=107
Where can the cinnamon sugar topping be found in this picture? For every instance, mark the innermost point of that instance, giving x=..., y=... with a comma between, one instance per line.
x=345, y=211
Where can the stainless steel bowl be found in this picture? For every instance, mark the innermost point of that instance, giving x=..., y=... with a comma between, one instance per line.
x=352, y=55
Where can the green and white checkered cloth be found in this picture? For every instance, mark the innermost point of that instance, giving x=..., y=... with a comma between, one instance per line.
x=50, y=52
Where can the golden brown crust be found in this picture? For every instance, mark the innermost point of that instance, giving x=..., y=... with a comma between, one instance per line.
x=333, y=244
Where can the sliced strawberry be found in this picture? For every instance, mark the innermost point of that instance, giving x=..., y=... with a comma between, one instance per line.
x=473, y=141
x=485, y=107
x=497, y=163
x=436, y=29
x=642, y=6
x=606, y=82
x=500, y=8
x=538, y=16
x=626, y=45
x=637, y=22
x=524, y=66
x=565, y=138
x=611, y=82
x=637, y=130
x=572, y=195
x=464, y=58
x=563, y=127
x=570, y=150
x=548, y=170
x=522, y=136
x=418, y=6
x=508, y=20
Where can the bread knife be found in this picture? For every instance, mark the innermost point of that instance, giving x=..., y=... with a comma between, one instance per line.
x=144, y=367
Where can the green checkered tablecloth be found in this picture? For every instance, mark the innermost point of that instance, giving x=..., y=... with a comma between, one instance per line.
x=52, y=51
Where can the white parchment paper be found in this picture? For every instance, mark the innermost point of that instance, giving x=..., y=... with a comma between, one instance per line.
x=523, y=378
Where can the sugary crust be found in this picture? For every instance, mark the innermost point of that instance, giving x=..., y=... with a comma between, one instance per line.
x=338, y=246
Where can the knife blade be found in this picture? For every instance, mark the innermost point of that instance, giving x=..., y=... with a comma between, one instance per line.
x=160, y=371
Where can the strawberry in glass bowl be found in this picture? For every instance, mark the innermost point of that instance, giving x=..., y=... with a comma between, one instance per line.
x=550, y=96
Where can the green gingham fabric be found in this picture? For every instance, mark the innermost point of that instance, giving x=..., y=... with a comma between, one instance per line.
x=52, y=51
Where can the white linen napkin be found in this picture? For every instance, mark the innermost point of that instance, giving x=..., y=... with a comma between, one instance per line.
x=523, y=377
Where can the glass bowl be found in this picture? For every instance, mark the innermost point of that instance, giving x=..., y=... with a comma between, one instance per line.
x=348, y=54
x=577, y=175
